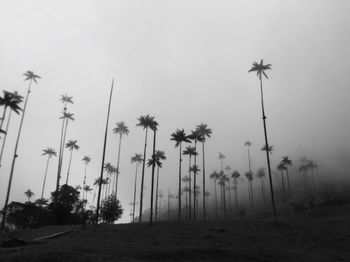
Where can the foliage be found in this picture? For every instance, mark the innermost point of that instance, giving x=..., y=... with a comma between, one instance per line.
x=111, y=210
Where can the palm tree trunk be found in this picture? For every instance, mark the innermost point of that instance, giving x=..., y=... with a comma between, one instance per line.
x=14, y=161
x=204, y=213
x=189, y=190
x=47, y=165
x=216, y=199
x=3, y=117
x=60, y=153
x=133, y=208
x=152, y=181
x=5, y=136
x=236, y=194
x=194, y=181
x=263, y=191
x=116, y=183
x=283, y=187
x=267, y=152
x=156, y=214
x=250, y=197
x=103, y=155
x=142, y=176
x=180, y=152
x=169, y=204
x=84, y=183
x=288, y=183
x=251, y=192
x=70, y=161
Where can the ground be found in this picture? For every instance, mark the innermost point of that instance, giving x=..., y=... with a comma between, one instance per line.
x=297, y=237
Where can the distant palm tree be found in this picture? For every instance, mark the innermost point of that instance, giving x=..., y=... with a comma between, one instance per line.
x=221, y=158
x=311, y=165
x=235, y=175
x=287, y=162
x=215, y=177
x=120, y=129
x=260, y=70
x=18, y=99
x=170, y=196
x=180, y=137
x=190, y=151
x=204, y=133
x=281, y=167
x=222, y=182
x=86, y=189
x=66, y=117
x=86, y=160
x=72, y=145
x=228, y=170
x=29, y=194
x=137, y=160
x=250, y=178
x=49, y=152
x=65, y=99
x=160, y=155
x=195, y=170
x=31, y=77
x=248, y=144
x=207, y=194
x=145, y=122
x=261, y=173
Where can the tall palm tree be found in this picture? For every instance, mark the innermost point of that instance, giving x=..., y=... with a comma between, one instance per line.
x=179, y=136
x=287, y=162
x=250, y=177
x=86, y=160
x=137, y=160
x=228, y=170
x=29, y=194
x=65, y=99
x=223, y=178
x=281, y=167
x=8, y=101
x=145, y=122
x=261, y=173
x=235, y=175
x=248, y=144
x=260, y=70
x=120, y=129
x=204, y=133
x=195, y=170
x=72, y=145
x=154, y=162
x=65, y=118
x=19, y=99
x=186, y=190
x=31, y=77
x=50, y=152
x=215, y=177
x=160, y=155
x=190, y=151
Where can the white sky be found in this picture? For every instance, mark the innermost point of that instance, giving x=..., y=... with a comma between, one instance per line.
x=185, y=62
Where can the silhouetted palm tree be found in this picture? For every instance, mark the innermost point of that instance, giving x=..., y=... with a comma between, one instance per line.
x=235, y=175
x=180, y=137
x=31, y=77
x=137, y=160
x=248, y=144
x=260, y=70
x=190, y=151
x=222, y=182
x=250, y=177
x=120, y=129
x=19, y=99
x=49, y=152
x=86, y=160
x=29, y=194
x=215, y=177
x=228, y=170
x=145, y=122
x=287, y=162
x=195, y=170
x=160, y=155
x=221, y=158
x=204, y=133
x=261, y=173
x=270, y=149
x=72, y=145
x=8, y=101
x=65, y=99
x=281, y=167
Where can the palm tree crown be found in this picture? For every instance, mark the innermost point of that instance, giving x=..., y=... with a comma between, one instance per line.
x=86, y=159
x=12, y=101
x=203, y=131
x=179, y=136
x=72, y=144
x=66, y=99
x=145, y=121
x=260, y=68
x=261, y=172
x=137, y=158
x=31, y=76
x=49, y=151
x=270, y=149
x=190, y=150
x=121, y=129
x=235, y=174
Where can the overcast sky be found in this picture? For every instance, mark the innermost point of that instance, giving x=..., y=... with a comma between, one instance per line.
x=184, y=62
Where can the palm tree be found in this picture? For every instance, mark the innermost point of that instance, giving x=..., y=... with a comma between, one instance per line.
x=180, y=137
x=250, y=177
x=86, y=189
x=29, y=194
x=281, y=167
x=137, y=159
x=160, y=155
x=221, y=158
x=145, y=122
x=228, y=170
x=311, y=165
x=8, y=101
x=270, y=149
x=261, y=173
x=49, y=152
x=170, y=196
x=65, y=118
x=204, y=133
x=260, y=70
x=65, y=99
x=195, y=170
x=235, y=175
x=72, y=145
x=31, y=77
x=248, y=144
x=86, y=160
x=222, y=182
x=215, y=177
x=154, y=163
x=120, y=129
x=190, y=151
x=19, y=99
x=287, y=162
